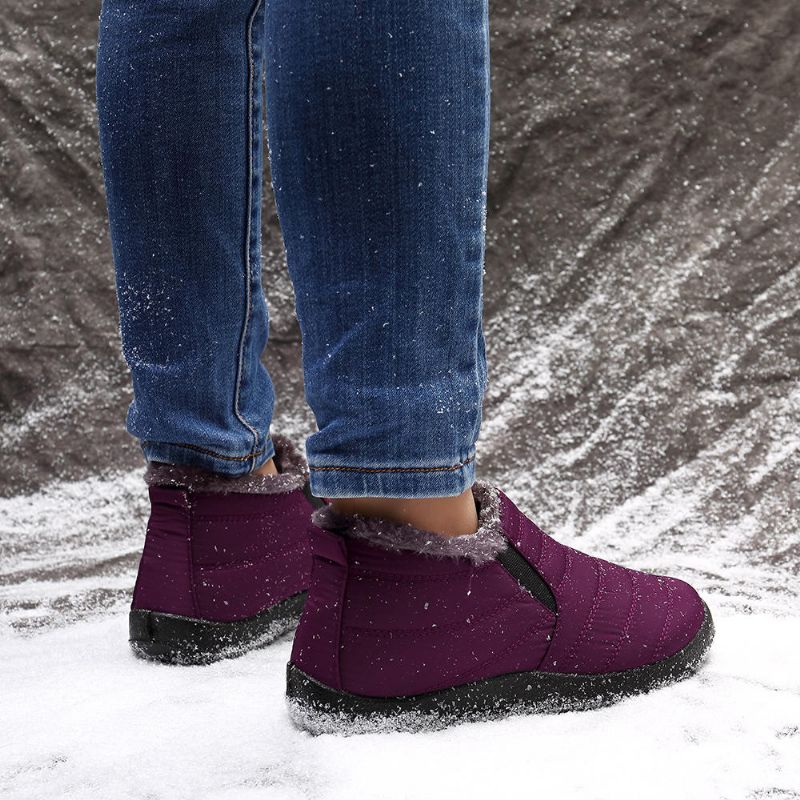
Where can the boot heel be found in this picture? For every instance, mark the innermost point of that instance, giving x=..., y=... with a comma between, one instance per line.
x=173, y=639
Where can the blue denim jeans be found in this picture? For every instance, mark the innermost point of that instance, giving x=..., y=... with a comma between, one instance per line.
x=378, y=129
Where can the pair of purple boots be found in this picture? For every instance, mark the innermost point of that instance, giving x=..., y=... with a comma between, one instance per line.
x=401, y=628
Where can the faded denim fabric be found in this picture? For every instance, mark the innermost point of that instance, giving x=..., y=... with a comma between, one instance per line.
x=378, y=124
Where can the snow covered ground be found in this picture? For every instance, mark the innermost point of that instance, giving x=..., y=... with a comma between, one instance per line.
x=82, y=718
x=642, y=285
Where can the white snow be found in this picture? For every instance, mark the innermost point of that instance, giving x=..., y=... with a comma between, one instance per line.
x=82, y=718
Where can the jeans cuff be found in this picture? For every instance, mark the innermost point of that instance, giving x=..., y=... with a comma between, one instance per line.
x=427, y=481
x=206, y=458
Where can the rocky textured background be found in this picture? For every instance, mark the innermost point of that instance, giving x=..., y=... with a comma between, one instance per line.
x=643, y=331
x=642, y=283
x=642, y=280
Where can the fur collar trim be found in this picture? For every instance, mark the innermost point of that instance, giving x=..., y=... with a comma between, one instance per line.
x=292, y=475
x=478, y=547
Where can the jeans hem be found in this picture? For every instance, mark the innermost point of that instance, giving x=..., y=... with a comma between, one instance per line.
x=205, y=458
x=425, y=481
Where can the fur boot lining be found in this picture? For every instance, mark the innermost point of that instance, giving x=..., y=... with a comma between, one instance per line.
x=479, y=547
x=292, y=474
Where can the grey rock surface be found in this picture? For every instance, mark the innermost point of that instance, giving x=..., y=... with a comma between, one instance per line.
x=642, y=280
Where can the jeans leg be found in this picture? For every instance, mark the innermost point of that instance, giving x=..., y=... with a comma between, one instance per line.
x=378, y=124
x=179, y=103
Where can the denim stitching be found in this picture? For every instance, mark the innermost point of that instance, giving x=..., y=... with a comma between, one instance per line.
x=248, y=232
x=394, y=469
x=480, y=359
x=252, y=454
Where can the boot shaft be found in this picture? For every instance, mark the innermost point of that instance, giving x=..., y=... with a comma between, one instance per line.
x=220, y=556
x=395, y=611
x=381, y=622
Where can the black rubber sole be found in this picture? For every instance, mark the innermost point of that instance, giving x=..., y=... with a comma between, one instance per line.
x=319, y=709
x=173, y=639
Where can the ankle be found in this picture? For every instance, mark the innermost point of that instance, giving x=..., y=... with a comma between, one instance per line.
x=447, y=516
x=267, y=468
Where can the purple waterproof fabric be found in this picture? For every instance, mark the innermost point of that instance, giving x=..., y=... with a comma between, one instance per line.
x=222, y=557
x=380, y=622
x=610, y=617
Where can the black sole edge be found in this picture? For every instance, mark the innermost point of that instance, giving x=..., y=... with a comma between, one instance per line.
x=174, y=639
x=318, y=709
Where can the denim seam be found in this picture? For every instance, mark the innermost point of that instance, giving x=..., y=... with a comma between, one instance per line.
x=250, y=455
x=248, y=231
x=480, y=360
x=392, y=469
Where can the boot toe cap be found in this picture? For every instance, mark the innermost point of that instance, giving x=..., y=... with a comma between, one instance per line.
x=686, y=614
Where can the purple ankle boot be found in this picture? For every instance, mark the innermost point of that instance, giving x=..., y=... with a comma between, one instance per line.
x=226, y=561
x=407, y=629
